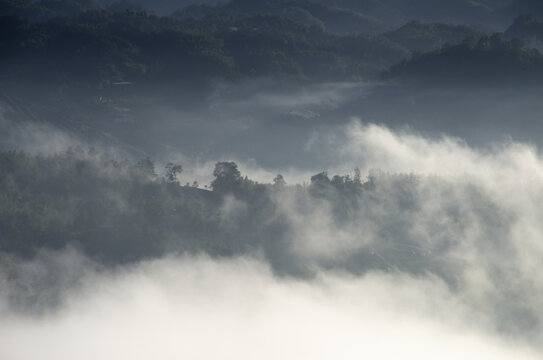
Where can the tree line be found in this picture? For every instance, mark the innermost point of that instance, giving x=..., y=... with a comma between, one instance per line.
x=118, y=211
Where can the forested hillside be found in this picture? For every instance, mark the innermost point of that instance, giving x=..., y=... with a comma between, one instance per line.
x=486, y=60
x=85, y=44
x=417, y=36
x=98, y=48
x=117, y=211
x=367, y=15
x=312, y=13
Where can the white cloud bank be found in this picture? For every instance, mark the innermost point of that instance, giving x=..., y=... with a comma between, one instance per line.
x=205, y=309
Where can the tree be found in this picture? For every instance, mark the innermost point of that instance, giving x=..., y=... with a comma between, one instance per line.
x=227, y=177
x=357, y=177
x=172, y=170
x=320, y=178
x=320, y=183
x=279, y=180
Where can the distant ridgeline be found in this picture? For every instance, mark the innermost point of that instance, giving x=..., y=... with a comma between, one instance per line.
x=510, y=57
x=118, y=211
x=417, y=36
x=97, y=48
x=335, y=15
x=88, y=44
x=485, y=60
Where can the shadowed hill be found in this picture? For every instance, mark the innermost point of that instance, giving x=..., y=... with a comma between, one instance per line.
x=97, y=48
x=487, y=60
x=429, y=36
x=309, y=12
x=397, y=12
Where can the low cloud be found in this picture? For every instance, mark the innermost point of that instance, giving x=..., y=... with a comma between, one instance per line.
x=438, y=257
x=201, y=308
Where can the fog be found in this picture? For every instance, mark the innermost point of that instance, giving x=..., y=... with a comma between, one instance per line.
x=203, y=309
x=292, y=179
x=438, y=257
x=268, y=123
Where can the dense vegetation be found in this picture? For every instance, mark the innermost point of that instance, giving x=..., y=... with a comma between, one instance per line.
x=85, y=44
x=312, y=13
x=488, y=59
x=335, y=15
x=98, y=47
x=367, y=15
x=45, y=9
x=417, y=36
x=119, y=211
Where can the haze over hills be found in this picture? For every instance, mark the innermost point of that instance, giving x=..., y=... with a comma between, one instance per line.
x=342, y=15
x=102, y=62
x=417, y=36
x=488, y=59
x=109, y=47
x=81, y=70
x=337, y=15
x=296, y=39
x=294, y=179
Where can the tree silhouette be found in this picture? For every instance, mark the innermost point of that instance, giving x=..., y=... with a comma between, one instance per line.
x=227, y=177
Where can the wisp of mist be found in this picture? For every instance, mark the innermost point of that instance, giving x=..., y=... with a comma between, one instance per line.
x=440, y=259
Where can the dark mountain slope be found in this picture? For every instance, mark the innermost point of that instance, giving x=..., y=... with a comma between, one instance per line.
x=428, y=36
x=309, y=12
x=487, y=60
x=98, y=48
